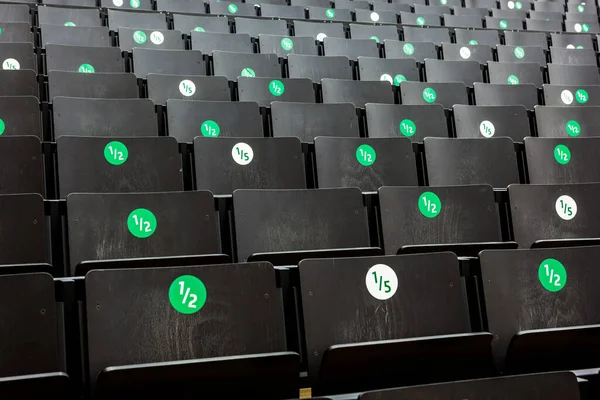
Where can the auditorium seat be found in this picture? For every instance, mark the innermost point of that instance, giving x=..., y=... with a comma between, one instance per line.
x=570, y=95
x=317, y=67
x=567, y=121
x=207, y=42
x=266, y=90
x=356, y=92
x=491, y=121
x=284, y=45
x=423, y=93
x=162, y=88
x=233, y=65
x=159, y=39
x=413, y=121
x=96, y=85
x=506, y=95
x=169, y=62
x=418, y=51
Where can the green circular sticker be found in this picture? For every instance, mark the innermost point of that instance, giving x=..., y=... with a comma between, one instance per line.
x=512, y=80
x=210, y=128
x=408, y=127
x=579, y=47
x=519, y=52
x=248, y=72
x=399, y=78
x=580, y=8
x=375, y=38
x=134, y=3
x=116, y=153
x=199, y=29
x=573, y=128
x=585, y=27
x=365, y=155
x=443, y=2
x=518, y=5
x=552, y=275
x=86, y=69
x=562, y=154
x=420, y=21
x=287, y=44
x=187, y=294
x=139, y=37
x=408, y=49
x=503, y=24
x=430, y=204
x=69, y=23
x=330, y=13
x=2, y=127
x=276, y=87
x=141, y=223
x=473, y=42
x=581, y=96
x=429, y=95
x=232, y=8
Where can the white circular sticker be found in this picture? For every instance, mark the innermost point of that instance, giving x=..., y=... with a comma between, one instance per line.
x=118, y=3
x=577, y=27
x=321, y=36
x=566, y=208
x=570, y=46
x=11, y=63
x=465, y=53
x=187, y=88
x=381, y=281
x=386, y=77
x=157, y=37
x=511, y=4
x=566, y=96
x=374, y=17
x=242, y=153
x=487, y=129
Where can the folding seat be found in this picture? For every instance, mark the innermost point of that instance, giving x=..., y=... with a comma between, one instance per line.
x=382, y=17
x=475, y=37
x=170, y=62
x=317, y=67
x=150, y=39
x=328, y=14
x=277, y=161
x=559, y=284
x=393, y=71
x=17, y=55
x=15, y=13
x=83, y=59
x=142, y=224
x=573, y=74
x=503, y=23
x=308, y=120
x=463, y=21
x=356, y=92
x=104, y=165
x=284, y=45
x=413, y=121
x=506, y=95
x=182, y=6
x=468, y=214
x=351, y=48
x=75, y=116
x=311, y=3
x=88, y=36
x=432, y=9
x=70, y=16
x=254, y=27
x=107, y=86
x=567, y=121
x=226, y=8
x=277, y=11
x=407, y=18
x=559, y=385
x=466, y=72
x=187, y=119
x=20, y=115
x=71, y=3
x=145, y=5
x=364, y=163
x=377, y=33
x=408, y=2
x=543, y=25
x=446, y=94
x=187, y=87
x=585, y=9
x=577, y=17
x=562, y=55
x=550, y=6
x=562, y=160
x=319, y=30
x=21, y=156
x=18, y=83
x=515, y=73
x=207, y=42
x=188, y=23
x=266, y=90
x=481, y=12
x=516, y=14
x=546, y=15
x=233, y=65
x=352, y=4
x=249, y=324
x=488, y=4
x=521, y=54
x=16, y=32
x=458, y=52
x=450, y=3
x=571, y=40
x=471, y=161
x=418, y=51
x=139, y=20
x=578, y=27
x=434, y=35
x=320, y=219
x=491, y=121
x=564, y=95
x=513, y=38
x=396, y=8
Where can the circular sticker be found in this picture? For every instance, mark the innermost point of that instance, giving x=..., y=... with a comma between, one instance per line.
x=579, y=47
x=420, y=21
x=86, y=69
x=580, y=8
x=11, y=63
x=276, y=87
x=69, y=23
x=570, y=47
x=443, y=2
x=116, y=153
x=2, y=126
x=573, y=128
x=512, y=80
x=398, y=79
x=581, y=96
x=375, y=38
x=381, y=281
x=503, y=24
x=566, y=207
x=562, y=154
x=157, y=38
x=519, y=52
x=117, y=3
x=232, y=8
x=330, y=13
x=386, y=77
x=187, y=88
x=511, y=4
x=408, y=127
x=430, y=204
x=374, y=16
x=187, y=294
x=242, y=153
x=134, y=3
x=210, y=128
x=566, y=96
x=408, y=49
x=473, y=42
x=287, y=44
x=429, y=95
x=552, y=275
x=465, y=53
x=139, y=37
x=487, y=129
x=518, y=5
x=248, y=72
x=321, y=36
x=199, y=29
x=366, y=155
x=141, y=223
